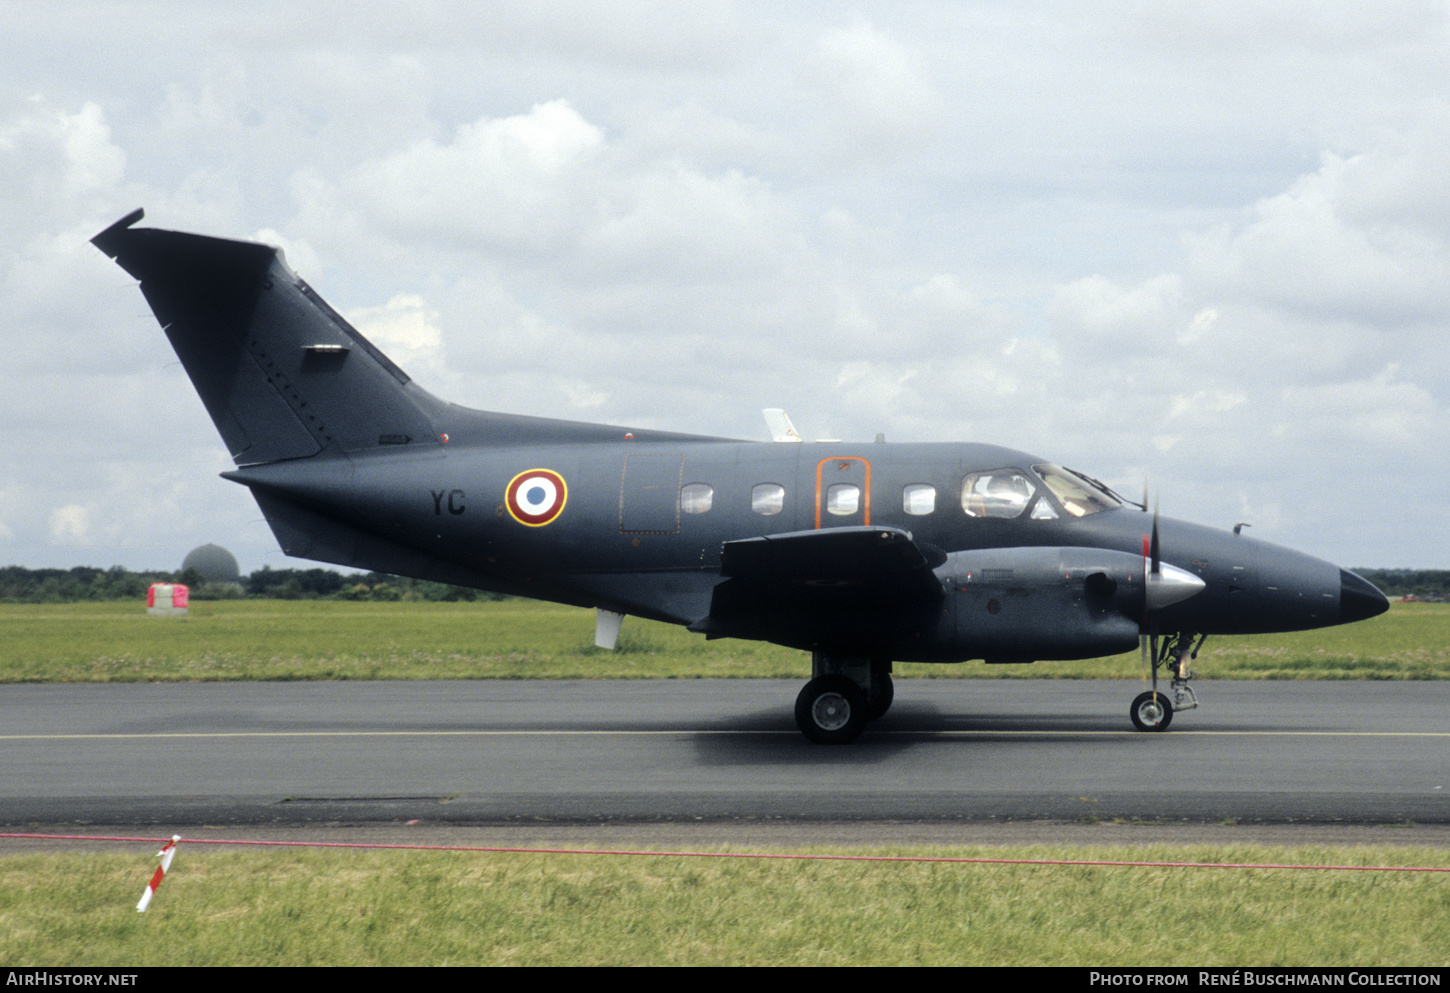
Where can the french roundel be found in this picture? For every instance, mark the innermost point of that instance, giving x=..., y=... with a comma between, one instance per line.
x=536, y=497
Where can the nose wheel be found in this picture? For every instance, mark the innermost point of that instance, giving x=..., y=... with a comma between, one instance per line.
x=1153, y=710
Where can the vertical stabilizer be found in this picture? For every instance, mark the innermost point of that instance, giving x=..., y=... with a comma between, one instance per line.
x=781, y=429
x=282, y=375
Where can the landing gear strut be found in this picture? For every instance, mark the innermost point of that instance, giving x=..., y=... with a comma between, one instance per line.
x=844, y=694
x=1153, y=710
x=878, y=700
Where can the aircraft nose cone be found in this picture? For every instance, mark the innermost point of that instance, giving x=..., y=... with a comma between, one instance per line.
x=1358, y=598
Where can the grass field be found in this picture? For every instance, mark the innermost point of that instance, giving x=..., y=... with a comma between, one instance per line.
x=370, y=908
x=519, y=639
x=326, y=907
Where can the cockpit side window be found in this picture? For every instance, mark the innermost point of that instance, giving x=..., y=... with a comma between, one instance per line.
x=1002, y=493
x=1078, y=495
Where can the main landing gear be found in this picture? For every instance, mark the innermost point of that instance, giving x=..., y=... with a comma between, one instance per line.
x=843, y=695
x=1153, y=710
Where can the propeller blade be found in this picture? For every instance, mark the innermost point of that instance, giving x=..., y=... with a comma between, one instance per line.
x=1147, y=587
x=1157, y=559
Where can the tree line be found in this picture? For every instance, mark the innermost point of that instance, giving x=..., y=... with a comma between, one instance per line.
x=81, y=583
x=21, y=585
x=1422, y=584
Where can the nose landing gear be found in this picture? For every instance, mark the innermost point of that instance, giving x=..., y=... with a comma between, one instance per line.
x=1153, y=710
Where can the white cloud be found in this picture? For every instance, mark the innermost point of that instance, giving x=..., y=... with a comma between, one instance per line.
x=1205, y=402
x=516, y=183
x=1208, y=244
x=71, y=524
x=1364, y=237
x=59, y=158
x=405, y=328
x=878, y=91
x=1378, y=411
x=945, y=293
x=1250, y=26
x=300, y=256
x=1139, y=317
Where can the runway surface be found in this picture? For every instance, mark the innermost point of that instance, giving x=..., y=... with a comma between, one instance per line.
x=691, y=750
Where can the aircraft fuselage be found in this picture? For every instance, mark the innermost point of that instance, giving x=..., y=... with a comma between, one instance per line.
x=629, y=537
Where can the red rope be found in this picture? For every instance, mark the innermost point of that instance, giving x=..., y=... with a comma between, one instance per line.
x=747, y=855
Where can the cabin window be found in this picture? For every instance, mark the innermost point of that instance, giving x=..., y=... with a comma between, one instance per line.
x=843, y=499
x=697, y=498
x=1002, y=493
x=918, y=499
x=767, y=498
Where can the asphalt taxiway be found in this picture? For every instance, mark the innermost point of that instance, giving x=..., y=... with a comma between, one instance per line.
x=651, y=751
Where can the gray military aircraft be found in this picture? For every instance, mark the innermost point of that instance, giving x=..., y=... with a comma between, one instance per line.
x=862, y=554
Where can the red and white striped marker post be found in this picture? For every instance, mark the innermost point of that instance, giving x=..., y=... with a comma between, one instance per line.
x=167, y=853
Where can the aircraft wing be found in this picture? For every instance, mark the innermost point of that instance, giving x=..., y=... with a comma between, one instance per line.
x=832, y=558
x=813, y=581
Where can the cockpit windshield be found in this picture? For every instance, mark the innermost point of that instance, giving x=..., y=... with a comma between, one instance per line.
x=1079, y=495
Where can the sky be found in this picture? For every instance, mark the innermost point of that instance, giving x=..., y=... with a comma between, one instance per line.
x=1203, y=246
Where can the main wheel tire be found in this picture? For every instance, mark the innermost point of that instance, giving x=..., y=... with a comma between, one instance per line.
x=831, y=710
x=883, y=691
x=1151, y=712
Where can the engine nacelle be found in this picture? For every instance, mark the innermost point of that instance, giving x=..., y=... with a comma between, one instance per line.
x=1025, y=604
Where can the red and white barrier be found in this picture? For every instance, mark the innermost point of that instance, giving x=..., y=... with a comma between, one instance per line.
x=167, y=853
